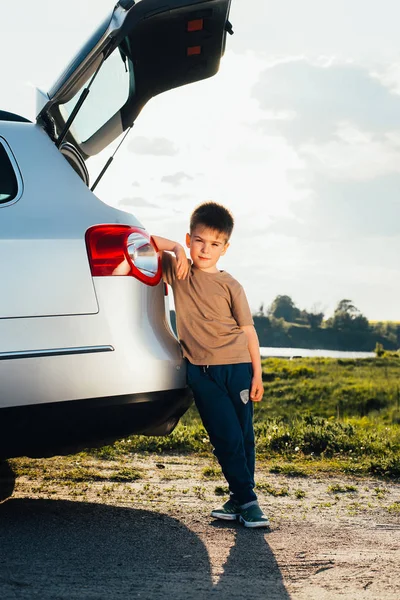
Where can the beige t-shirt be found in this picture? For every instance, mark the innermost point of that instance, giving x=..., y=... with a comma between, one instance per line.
x=210, y=309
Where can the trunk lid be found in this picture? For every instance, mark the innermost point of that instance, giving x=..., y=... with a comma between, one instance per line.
x=141, y=50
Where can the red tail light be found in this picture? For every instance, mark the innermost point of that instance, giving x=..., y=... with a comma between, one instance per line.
x=122, y=250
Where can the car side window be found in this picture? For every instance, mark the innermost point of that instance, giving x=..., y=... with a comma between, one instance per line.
x=8, y=178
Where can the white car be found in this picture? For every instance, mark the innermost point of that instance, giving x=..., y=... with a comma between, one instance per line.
x=86, y=351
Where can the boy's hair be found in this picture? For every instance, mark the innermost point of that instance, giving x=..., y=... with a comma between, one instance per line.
x=214, y=216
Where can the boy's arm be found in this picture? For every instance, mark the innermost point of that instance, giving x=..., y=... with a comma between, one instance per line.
x=182, y=264
x=257, y=388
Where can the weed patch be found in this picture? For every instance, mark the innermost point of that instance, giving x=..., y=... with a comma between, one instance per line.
x=288, y=470
x=271, y=490
x=211, y=473
x=380, y=492
x=394, y=508
x=126, y=474
x=299, y=494
x=337, y=488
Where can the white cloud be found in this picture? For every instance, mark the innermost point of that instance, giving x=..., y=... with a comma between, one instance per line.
x=354, y=155
x=339, y=210
x=158, y=146
x=176, y=179
x=319, y=98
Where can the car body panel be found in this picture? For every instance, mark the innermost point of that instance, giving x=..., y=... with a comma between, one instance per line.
x=42, y=245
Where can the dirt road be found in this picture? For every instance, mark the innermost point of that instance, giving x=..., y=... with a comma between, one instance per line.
x=75, y=530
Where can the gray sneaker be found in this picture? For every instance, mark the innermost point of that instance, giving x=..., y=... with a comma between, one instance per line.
x=228, y=512
x=253, y=516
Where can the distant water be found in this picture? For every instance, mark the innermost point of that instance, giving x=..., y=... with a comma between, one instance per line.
x=307, y=353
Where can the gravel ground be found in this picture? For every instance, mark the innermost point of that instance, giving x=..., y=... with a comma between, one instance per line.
x=68, y=537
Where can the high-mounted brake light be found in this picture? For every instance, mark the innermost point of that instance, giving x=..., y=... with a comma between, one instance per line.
x=122, y=250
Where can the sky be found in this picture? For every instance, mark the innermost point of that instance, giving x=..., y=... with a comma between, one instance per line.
x=298, y=135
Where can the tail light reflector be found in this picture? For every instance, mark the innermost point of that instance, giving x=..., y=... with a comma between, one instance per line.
x=122, y=250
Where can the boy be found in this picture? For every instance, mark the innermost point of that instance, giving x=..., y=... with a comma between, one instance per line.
x=220, y=344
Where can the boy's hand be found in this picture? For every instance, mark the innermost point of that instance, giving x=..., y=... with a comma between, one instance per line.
x=257, y=389
x=182, y=264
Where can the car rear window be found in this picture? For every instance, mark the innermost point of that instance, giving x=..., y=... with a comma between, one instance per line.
x=8, y=178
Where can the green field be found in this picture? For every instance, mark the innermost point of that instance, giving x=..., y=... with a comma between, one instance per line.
x=328, y=415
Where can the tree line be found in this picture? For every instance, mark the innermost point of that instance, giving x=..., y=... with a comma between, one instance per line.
x=347, y=327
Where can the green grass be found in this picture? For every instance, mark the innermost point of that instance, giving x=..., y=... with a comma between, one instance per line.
x=332, y=387
x=317, y=415
x=299, y=446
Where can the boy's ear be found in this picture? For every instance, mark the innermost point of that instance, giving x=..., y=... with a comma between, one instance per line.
x=188, y=240
x=225, y=248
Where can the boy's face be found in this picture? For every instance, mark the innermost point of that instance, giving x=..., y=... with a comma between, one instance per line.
x=206, y=247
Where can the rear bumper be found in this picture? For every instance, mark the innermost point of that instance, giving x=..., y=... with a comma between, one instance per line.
x=67, y=427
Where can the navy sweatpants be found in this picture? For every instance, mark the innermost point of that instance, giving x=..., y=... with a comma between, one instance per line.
x=221, y=394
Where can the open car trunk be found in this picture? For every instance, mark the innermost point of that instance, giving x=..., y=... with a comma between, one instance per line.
x=143, y=49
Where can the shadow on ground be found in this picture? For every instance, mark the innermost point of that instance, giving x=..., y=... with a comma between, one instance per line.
x=52, y=549
x=7, y=480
